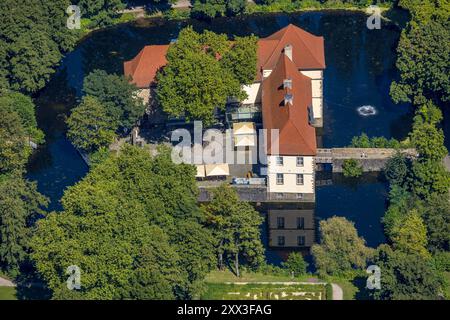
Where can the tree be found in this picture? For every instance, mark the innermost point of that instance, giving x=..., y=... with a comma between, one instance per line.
x=14, y=146
x=101, y=12
x=427, y=138
x=429, y=177
x=351, y=168
x=90, y=127
x=406, y=276
x=209, y=9
x=340, y=249
x=396, y=170
x=241, y=59
x=195, y=82
x=423, y=63
x=118, y=96
x=34, y=37
x=410, y=235
x=132, y=226
x=436, y=216
x=24, y=106
x=295, y=264
x=235, y=225
x=20, y=202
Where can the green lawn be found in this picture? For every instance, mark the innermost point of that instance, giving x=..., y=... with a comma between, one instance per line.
x=8, y=293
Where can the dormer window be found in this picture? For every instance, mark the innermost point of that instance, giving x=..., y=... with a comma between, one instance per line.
x=288, y=99
x=287, y=84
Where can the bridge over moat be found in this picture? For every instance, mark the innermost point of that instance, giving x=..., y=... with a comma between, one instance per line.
x=371, y=159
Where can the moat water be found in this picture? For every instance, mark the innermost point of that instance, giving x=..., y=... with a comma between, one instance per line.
x=360, y=68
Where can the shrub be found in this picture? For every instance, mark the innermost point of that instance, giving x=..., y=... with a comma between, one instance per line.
x=351, y=168
x=295, y=264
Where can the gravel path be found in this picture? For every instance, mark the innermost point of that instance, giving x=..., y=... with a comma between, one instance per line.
x=6, y=283
x=338, y=294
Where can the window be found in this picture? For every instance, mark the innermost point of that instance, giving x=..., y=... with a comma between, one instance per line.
x=299, y=196
x=300, y=223
x=281, y=240
x=280, y=178
x=279, y=195
x=300, y=161
x=299, y=179
x=279, y=161
x=280, y=222
x=301, y=240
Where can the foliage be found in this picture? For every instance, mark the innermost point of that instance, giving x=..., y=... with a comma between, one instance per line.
x=351, y=168
x=14, y=146
x=34, y=36
x=429, y=177
x=241, y=59
x=295, y=264
x=340, y=249
x=436, y=216
x=406, y=276
x=396, y=169
x=24, y=106
x=199, y=75
x=363, y=141
x=90, y=127
x=410, y=235
x=133, y=227
x=118, y=96
x=20, y=203
x=208, y=9
x=423, y=63
x=100, y=12
x=427, y=138
x=235, y=225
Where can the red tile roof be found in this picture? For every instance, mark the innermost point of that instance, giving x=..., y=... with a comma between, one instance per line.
x=308, y=53
x=296, y=136
x=145, y=65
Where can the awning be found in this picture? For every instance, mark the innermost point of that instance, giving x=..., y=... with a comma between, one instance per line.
x=217, y=169
x=244, y=128
x=244, y=140
x=200, y=171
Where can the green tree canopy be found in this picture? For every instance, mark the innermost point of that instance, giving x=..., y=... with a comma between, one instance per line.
x=422, y=59
x=295, y=264
x=34, y=36
x=199, y=76
x=340, y=249
x=405, y=276
x=236, y=228
x=14, y=143
x=20, y=202
x=133, y=227
x=410, y=235
x=101, y=12
x=118, y=96
x=90, y=126
x=24, y=106
x=436, y=216
x=209, y=9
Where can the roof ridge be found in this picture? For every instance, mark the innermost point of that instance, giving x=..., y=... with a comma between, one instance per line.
x=297, y=30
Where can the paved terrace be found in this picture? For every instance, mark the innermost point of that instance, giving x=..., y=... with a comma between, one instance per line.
x=371, y=159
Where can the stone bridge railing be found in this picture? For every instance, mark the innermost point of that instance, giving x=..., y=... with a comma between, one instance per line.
x=371, y=159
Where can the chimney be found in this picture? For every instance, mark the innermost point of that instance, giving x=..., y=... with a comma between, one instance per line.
x=288, y=99
x=287, y=83
x=288, y=51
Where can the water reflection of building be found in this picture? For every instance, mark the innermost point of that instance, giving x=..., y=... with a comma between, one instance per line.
x=290, y=226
